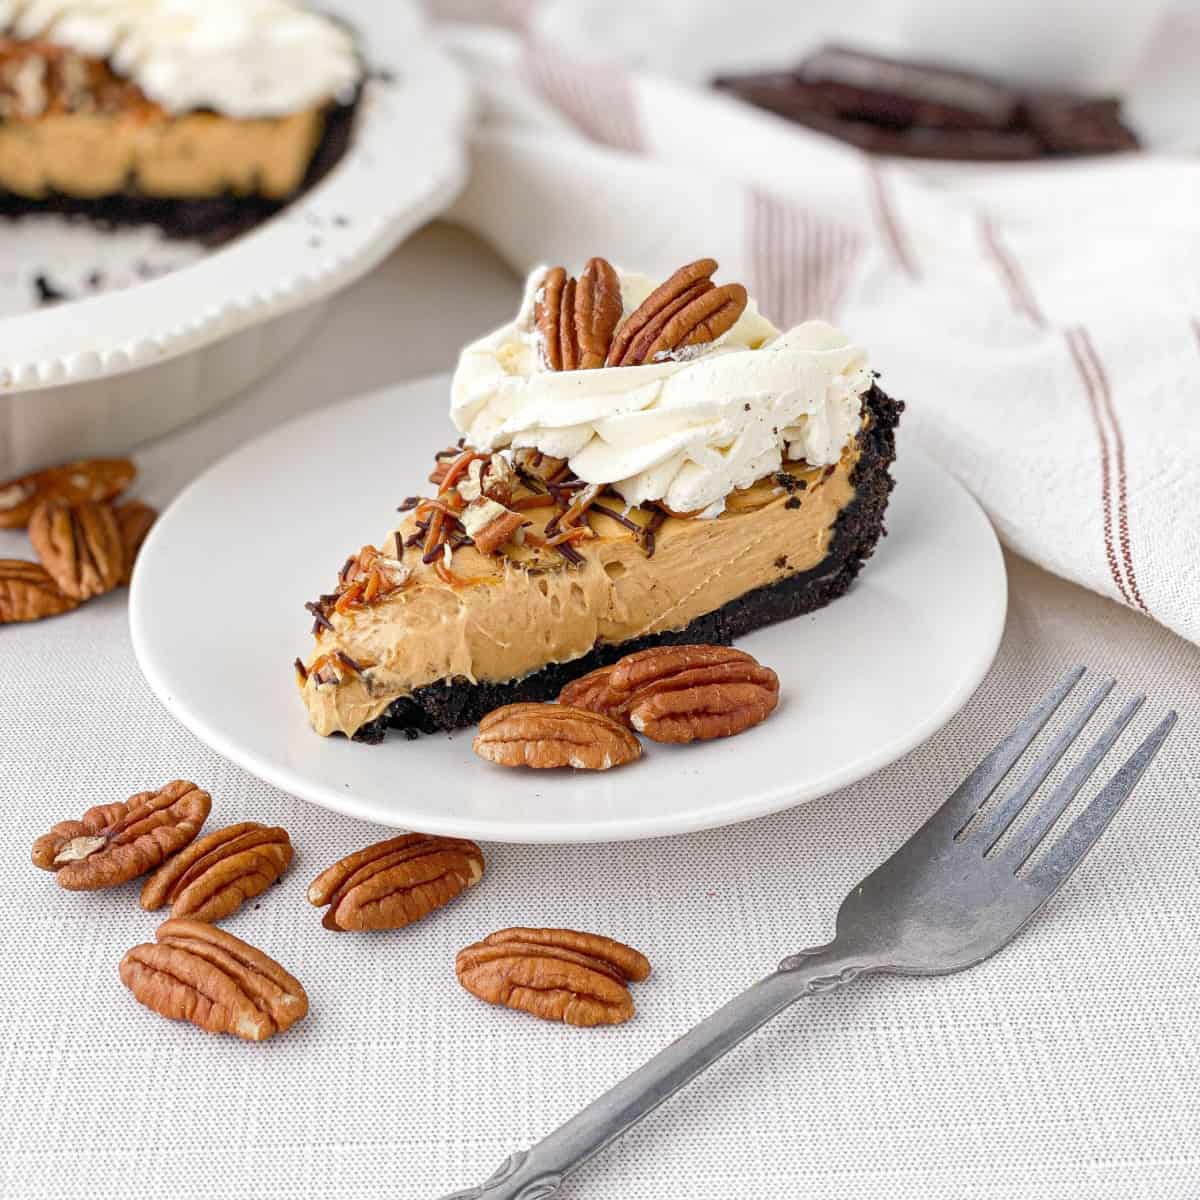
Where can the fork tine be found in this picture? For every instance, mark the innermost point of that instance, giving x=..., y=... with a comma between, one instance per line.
x=1083, y=833
x=992, y=827
x=970, y=795
x=1026, y=840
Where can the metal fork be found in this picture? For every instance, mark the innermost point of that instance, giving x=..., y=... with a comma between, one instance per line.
x=947, y=899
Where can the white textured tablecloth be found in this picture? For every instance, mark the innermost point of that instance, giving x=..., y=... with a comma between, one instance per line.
x=1067, y=1066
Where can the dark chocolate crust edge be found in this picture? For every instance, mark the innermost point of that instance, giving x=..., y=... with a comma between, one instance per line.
x=458, y=702
x=212, y=220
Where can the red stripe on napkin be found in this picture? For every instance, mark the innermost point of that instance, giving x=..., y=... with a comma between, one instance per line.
x=887, y=221
x=1012, y=277
x=1112, y=464
x=800, y=265
x=598, y=99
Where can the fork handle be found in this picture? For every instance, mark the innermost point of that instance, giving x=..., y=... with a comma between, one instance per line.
x=537, y=1172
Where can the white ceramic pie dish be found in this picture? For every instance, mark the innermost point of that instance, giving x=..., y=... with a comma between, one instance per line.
x=103, y=374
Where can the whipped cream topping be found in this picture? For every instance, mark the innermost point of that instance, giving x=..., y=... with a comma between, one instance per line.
x=242, y=58
x=684, y=431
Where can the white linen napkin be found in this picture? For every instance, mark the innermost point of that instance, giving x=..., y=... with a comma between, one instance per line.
x=1041, y=321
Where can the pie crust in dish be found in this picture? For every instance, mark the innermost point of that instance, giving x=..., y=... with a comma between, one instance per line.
x=193, y=117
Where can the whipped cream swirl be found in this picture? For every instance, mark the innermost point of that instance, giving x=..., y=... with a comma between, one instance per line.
x=685, y=432
x=242, y=58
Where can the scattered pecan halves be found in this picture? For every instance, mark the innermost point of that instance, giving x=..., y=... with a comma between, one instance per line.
x=681, y=693
x=113, y=843
x=393, y=883
x=218, y=873
x=27, y=593
x=556, y=974
x=72, y=483
x=80, y=545
x=554, y=735
x=134, y=520
x=196, y=972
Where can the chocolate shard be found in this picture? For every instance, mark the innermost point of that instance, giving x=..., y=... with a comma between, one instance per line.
x=894, y=92
x=1078, y=125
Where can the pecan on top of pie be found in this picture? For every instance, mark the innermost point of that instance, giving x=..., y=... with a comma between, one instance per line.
x=641, y=462
x=143, y=104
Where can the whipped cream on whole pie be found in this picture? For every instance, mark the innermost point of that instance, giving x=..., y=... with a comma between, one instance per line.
x=685, y=430
x=639, y=464
x=242, y=58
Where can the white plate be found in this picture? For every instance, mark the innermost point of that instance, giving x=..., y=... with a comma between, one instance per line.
x=217, y=617
x=114, y=369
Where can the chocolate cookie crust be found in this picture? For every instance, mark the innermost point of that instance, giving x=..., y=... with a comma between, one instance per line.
x=458, y=702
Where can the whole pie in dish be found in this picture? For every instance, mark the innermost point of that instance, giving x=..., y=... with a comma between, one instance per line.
x=184, y=113
x=639, y=464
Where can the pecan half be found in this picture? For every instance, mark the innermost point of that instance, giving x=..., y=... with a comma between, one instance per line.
x=554, y=735
x=555, y=974
x=576, y=317
x=80, y=545
x=394, y=883
x=134, y=520
x=594, y=692
x=489, y=524
x=72, y=483
x=598, y=308
x=113, y=843
x=27, y=593
x=703, y=319
x=196, y=972
x=685, y=281
x=687, y=310
x=547, y=316
x=687, y=693
x=218, y=873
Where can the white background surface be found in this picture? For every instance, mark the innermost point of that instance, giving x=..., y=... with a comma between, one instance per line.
x=1068, y=1066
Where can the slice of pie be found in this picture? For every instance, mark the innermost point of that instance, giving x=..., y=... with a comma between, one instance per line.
x=165, y=111
x=639, y=465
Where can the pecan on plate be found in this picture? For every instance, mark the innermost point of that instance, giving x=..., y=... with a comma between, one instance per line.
x=554, y=735
x=690, y=693
x=394, y=883
x=594, y=692
x=489, y=524
x=575, y=318
x=196, y=972
x=80, y=545
x=687, y=310
x=555, y=974
x=27, y=593
x=218, y=873
x=72, y=483
x=134, y=520
x=113, y=843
